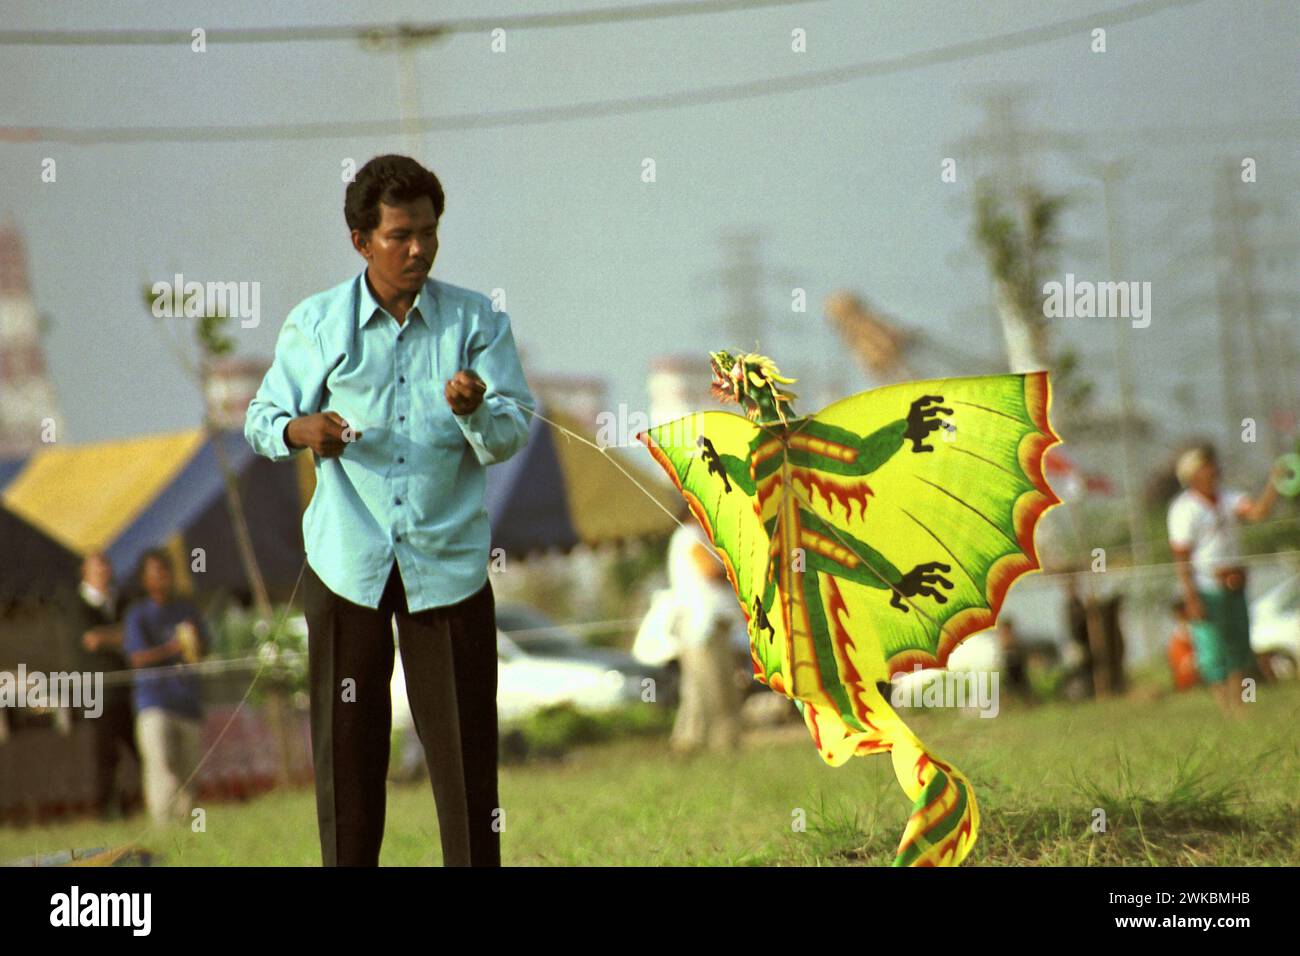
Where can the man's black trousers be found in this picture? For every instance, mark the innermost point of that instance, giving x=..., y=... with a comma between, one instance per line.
x=449, y=657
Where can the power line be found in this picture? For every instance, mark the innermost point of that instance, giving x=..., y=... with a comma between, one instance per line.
x=753, y=89
x=375, y=33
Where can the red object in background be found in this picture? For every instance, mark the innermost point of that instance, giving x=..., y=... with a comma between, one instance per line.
x=1072, y=479
x=1182, y=660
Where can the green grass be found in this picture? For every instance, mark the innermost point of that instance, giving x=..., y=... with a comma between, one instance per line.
x=1178, y=786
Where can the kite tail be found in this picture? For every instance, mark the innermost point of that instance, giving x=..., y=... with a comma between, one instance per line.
x=945, y=817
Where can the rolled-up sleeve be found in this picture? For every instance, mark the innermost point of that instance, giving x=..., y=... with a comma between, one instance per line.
x=291, y=388
x=499, y=426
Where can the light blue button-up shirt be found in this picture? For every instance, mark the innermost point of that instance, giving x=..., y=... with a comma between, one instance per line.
x=411, y=487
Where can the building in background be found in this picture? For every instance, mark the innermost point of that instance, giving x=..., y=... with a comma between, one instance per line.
x=231, y=384
x=27, y=397
x=678, y=385
x=579, y=397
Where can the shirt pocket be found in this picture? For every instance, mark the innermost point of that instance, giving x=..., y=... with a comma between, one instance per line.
x=443, y=429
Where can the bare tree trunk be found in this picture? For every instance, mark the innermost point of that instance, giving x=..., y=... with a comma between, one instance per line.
x=1024, y=335
x=1016, y=262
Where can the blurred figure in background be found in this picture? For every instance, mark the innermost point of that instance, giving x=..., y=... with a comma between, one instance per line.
x=1082, y=677
x=1012, y=661
x=93, y=622
x=1116, y=681
x=163, y=630
x=1203, y=524
x=1099, y=649
x=709, y=712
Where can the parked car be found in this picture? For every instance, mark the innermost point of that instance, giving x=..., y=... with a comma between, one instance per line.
x=1275, y=627
x=541, y=664
x=528, y=682
x=538, y=636
x=538, y=666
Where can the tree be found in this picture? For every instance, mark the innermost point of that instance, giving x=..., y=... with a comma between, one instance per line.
x=1021, y=245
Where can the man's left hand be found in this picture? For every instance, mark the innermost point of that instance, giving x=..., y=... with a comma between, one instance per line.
x=464, y=392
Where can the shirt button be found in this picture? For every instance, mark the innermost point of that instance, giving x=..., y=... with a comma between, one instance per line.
x=401, y=418
x=402, y=379
x=397, y=501
x=401, y=461
x=398, y=538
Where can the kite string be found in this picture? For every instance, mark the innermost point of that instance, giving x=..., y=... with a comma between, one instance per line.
x=600, y=448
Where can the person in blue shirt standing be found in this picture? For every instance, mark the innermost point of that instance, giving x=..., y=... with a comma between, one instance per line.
x=405, y=388
x=161, y=631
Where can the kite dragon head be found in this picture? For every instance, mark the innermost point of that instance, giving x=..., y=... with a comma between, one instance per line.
x=754, y=382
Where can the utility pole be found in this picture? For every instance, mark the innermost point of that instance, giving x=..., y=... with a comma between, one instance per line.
x=405, y=39
x=1239, y=288
x=1110, y=173
x=1248, y=344
x=742, y=278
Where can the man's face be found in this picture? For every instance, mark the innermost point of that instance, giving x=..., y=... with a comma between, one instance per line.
x=157, y=580
x=401, y=249
x=1206, y=479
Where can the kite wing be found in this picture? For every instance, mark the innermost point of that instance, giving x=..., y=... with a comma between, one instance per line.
x=707, y=456
x=871, y=539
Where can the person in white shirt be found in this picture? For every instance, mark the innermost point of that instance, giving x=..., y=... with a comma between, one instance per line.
x=1203, y=526
x=707, y=615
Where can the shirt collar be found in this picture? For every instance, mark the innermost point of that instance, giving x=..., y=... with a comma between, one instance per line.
x=367, y=305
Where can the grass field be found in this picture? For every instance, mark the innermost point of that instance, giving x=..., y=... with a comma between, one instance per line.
x=1179, y=786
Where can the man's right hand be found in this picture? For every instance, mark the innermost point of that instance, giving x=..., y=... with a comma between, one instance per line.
x=322, y=433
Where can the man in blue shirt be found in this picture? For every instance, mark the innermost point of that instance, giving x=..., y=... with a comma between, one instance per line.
x=405, y=388
x=159, y=632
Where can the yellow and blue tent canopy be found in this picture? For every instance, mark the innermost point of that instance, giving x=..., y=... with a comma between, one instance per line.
x=128, y=495
x=166, y=490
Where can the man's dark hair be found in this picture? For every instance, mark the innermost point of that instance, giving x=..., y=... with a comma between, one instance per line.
x=156, y=554
x=389, y=179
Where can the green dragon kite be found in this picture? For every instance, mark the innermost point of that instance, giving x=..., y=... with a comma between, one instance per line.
x=865, y=540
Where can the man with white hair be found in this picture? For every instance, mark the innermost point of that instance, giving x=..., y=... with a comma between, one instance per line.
x=708, y=716
x=1203, y=534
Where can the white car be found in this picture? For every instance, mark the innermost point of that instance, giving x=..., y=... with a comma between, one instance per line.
x=979, y=652
x=527, y=683
x=1275, y=626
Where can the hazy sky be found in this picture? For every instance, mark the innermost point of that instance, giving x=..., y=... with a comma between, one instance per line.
x=601, y=270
